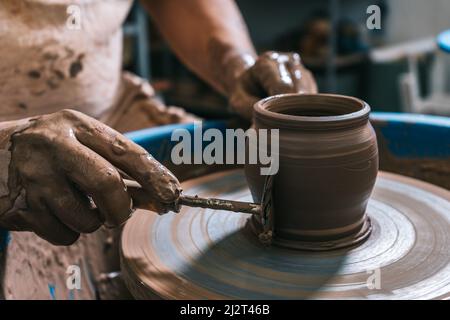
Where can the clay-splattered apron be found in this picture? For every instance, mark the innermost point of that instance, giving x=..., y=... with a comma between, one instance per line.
x=45, y=66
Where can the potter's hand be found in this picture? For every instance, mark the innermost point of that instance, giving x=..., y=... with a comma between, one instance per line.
x=272, y=73
x=62, y=177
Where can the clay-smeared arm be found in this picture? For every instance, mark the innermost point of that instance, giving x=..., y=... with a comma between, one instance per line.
x=59, y=176
x=211, y=38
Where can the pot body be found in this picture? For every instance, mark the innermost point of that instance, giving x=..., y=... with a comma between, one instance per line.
x=328, y=163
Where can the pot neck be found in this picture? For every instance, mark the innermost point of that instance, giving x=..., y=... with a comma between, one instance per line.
x=311, y=112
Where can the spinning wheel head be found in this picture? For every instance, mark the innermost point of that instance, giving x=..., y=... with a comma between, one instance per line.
x=191, y=255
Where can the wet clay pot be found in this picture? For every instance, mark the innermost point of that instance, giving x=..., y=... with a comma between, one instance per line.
x=328, y=164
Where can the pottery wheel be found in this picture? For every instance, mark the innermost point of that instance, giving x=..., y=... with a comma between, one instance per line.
x=209, y=254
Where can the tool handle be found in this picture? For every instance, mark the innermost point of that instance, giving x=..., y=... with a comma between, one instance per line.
x=220, y=204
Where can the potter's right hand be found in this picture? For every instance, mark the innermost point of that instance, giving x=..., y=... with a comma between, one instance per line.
x=272, y=73
x=62, y=178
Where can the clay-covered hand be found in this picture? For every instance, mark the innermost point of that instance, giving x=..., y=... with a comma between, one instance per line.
x=272, y=73
x=63, y=178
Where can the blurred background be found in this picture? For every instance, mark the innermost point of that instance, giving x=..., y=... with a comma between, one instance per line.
x=398, y=68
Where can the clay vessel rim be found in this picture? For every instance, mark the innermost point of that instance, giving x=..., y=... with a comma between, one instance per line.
x=260, y=108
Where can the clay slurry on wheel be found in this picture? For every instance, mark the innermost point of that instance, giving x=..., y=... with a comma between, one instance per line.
x=209, y=254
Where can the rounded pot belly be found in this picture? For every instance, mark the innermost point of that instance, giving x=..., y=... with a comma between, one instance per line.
x=328, y=163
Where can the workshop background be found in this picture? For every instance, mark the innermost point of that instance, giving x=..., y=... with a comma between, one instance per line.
x=398, y=68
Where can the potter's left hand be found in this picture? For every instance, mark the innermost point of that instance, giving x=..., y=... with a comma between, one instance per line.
x=60, y=176
x=272, y=73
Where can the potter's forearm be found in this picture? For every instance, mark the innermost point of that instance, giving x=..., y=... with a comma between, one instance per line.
x=209, y=36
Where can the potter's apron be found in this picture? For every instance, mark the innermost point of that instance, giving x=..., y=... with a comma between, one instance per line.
x=46, y=66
